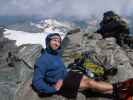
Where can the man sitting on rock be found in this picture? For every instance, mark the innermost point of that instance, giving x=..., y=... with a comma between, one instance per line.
x=51, y=76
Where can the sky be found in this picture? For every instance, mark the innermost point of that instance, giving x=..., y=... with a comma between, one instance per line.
x=80, y=9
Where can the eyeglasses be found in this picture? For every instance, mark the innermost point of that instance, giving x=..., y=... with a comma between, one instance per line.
x=56, y=39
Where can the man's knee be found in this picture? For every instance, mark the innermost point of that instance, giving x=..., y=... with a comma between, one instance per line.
x=86, y=83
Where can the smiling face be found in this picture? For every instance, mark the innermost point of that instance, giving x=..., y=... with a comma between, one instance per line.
x=55, y=42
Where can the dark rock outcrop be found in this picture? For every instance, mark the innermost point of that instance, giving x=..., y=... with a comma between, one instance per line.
x=112, y=25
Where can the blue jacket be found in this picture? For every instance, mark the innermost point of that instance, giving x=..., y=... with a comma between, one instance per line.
x=49, y=68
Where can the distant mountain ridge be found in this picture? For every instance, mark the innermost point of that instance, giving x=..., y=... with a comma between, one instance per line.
x=9, y=20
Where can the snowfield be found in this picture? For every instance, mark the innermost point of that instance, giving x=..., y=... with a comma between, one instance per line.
x=22, y=37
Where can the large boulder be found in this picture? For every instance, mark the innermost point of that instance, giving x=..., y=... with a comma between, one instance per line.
x=108, y=52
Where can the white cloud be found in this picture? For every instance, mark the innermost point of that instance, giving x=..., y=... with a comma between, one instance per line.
x=80, y=9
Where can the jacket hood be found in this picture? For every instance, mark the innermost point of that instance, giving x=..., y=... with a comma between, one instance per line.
x=47, y=41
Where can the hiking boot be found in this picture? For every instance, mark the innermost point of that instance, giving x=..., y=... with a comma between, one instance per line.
x=123, y=90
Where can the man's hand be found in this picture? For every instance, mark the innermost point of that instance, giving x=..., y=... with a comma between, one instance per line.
x=58, y=84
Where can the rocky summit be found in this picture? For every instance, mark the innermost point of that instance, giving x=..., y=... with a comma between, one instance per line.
x=17, y=64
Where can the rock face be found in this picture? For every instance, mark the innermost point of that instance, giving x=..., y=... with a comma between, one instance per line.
x=113, y=53
x=14, y=76
x=17, y=64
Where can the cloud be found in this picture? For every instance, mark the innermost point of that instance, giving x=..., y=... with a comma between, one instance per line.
x=80, y=9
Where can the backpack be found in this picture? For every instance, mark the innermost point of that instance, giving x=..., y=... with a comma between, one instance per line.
x=84, y=64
